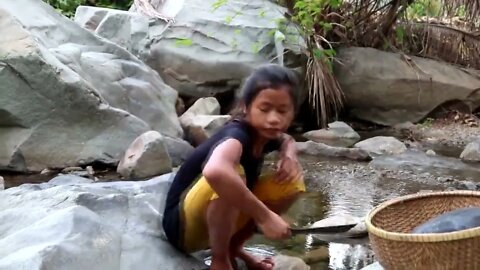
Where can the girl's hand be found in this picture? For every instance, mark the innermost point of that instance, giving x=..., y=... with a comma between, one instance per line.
x=274, y=227
x=288, y=169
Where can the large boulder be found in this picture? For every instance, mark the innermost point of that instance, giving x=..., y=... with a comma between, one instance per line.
x=68, y=97
x=95, y=226
x=212, y=46
x=387, y=88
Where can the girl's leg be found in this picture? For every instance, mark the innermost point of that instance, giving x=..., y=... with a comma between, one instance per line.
x=221, y=222
x=238, y=240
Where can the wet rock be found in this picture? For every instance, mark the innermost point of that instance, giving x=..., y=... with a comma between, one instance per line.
x=205, y=106
x=146, y=156
x=178, y=150
x=320, y=149
x=471, y=152
x=359, y=231
x=400, y=90
x=373, y=266
x=95, y=226
x=210, y=48
x=430, y=152
x=99, y=96
x=317, y=255
x=200, y=127
x=283, y=262
x=382, y=145
x=337, y=134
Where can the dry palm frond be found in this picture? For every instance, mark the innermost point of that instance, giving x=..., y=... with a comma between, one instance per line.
x=325, y=95
x=446, y=43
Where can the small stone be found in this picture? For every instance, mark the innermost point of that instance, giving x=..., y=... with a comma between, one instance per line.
x=471, y=152
x=2, y=183
x=72, y=169
x=430, y=152
x=382, y=145
x=90, y=170
x=47, y=171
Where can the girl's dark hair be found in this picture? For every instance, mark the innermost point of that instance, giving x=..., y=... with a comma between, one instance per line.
x=266, y=77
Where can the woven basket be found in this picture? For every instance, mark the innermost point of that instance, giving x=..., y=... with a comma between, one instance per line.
x=389, y=226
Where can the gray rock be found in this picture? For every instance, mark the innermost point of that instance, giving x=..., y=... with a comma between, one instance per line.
x=205, y=106
x=430, y=152
x=126, y=29
x=198, y=128
x=99, y=226
x=178, y=150
x=471, y=152
x=2, y=183
x=211, y=47
x=146, y=156
x=402, y=88
x=67, y=179
x=337, y=134
x=382, y=145
x=319, y=149
x=94, y=96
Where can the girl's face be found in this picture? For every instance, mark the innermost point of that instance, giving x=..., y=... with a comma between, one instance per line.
x=271, y=112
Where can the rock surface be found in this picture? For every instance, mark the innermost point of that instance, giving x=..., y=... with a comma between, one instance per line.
x=382, y=145
x=204, y=106
x=177, y=149
x=96, y=226
x=337, y=134
x=146, y=156
x=388, y=89
x=90, y=95
x=198, y=128
x=212, y=46
x=320, y=149
x=2, y=183
x=471, y=152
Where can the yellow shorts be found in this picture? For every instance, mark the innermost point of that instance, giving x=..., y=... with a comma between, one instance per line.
x=194, y=232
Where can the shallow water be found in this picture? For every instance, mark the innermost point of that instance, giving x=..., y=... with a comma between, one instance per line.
x=338, y=187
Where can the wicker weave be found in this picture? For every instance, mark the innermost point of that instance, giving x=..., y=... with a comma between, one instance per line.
x=389, y=225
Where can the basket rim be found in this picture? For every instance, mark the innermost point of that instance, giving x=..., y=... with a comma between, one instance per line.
x=427, y=237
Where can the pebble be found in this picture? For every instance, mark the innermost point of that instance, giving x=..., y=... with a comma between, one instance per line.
x=430, y=152
x=72, y=169
x=47, y=171
x=2, y=183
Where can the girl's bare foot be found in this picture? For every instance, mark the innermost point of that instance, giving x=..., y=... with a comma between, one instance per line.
x=254, y=263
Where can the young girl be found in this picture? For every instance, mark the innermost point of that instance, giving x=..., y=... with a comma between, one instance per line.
x=218, y=197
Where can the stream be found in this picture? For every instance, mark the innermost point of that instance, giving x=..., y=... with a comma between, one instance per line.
x=336, y=187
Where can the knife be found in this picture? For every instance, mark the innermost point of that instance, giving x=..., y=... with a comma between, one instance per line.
x=320, y=230
x=323, y=230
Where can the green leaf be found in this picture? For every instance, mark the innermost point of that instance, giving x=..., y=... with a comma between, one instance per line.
x=183, y=42
x=228, y=19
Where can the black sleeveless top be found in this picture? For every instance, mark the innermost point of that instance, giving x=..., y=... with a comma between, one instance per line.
x=193, y=166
